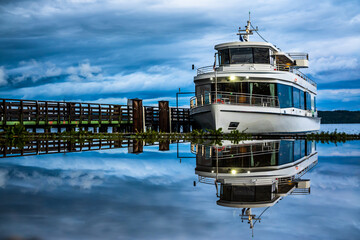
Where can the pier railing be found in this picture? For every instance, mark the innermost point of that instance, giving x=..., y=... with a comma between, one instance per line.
x=132, y=117
x=234, y=99
x=31, y=112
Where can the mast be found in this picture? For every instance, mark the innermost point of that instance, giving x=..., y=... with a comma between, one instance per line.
x=244, y=35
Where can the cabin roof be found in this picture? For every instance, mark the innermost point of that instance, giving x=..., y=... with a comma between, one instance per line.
x=245, y=44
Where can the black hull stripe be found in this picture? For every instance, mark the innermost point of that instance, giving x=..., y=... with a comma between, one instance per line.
x=281, y=114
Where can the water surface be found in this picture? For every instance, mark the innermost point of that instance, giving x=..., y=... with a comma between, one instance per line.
x=113, y=194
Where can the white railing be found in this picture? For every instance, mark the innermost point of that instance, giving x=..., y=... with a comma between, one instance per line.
x=234, y=99
x=283, y=67
x=298, y=55
x=206, y=69
x=279, y=67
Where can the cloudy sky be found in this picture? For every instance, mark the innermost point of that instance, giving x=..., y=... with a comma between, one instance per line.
x=111, y=50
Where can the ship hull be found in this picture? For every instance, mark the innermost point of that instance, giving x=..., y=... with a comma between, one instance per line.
x=252, y=120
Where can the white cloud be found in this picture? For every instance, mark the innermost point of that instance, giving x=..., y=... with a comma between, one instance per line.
x=3, y=80
x=84, y=71
x=334, y=63
x=343, y=95
x=355, y=20
x=34, y=70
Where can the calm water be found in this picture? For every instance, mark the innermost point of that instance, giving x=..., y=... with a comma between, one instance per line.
x=113, y=194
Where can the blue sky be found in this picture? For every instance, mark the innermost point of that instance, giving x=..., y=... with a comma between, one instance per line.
x=107, y=51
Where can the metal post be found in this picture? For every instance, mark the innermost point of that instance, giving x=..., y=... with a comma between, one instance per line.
x=170, y=127
x=217, y=163
x=215, y=87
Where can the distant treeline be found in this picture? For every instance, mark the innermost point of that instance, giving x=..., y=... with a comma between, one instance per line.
x=339, y=116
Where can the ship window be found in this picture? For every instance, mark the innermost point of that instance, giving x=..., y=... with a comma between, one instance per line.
x=260, y=88
x=285, y=96
x=224, y=57
x=234, y=87
x=315, y=104
x=297, y=150
x=303, y=148
x=286, y=152
x=296, y=97
x=272, y=57
x=308, y=147
x=243, y=194
x=302, y=100
x=261, y=55
x=241, y=55
x=308, y=101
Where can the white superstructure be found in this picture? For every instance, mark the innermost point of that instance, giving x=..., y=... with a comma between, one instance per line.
x=256, y=88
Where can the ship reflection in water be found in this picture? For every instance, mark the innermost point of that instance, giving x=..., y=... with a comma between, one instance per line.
x=254, y=175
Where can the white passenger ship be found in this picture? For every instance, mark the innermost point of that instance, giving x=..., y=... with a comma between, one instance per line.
x=256, y=88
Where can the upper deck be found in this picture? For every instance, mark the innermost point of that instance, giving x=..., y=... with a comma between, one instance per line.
x=256, y=57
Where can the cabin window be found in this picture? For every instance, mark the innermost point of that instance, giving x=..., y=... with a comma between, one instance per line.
x=233, y=87
x=224, y=57
x=246, y=193
x=313, y=107
x=262, y=89
x=302, y=100
x=272, y=57
x=296, y=97
x=261, y=55
x=297, y=150
x=307, y=101
x=303, y=148
x=202, y=90
x=285, y=96
x=241, y=55
x=286, y=152
x=246, y=55
x=308, y=148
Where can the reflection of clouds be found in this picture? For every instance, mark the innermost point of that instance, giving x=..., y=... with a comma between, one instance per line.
x=3, y=176
x=334, y=182
x=348, y=149
x=28, y=178
x=143, y=166
x=338, y=153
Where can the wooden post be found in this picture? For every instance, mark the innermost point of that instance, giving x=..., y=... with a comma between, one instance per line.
x=59, y=114
x=47, y=113
x=164, y=145
x=5, y=110
x=137, y=115
x=164, y=116
x=21, y=112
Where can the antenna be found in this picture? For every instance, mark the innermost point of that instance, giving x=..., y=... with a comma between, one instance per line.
x=244, y=34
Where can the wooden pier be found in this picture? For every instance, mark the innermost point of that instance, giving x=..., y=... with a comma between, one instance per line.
x=133, y=117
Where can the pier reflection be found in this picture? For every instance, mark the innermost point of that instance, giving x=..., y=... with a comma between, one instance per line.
x=46, y=146
x=254, y=175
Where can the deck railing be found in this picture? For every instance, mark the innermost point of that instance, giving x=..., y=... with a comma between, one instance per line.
x=279, y=67
x=206, y=69
x=286, y=68
x=234, y=99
